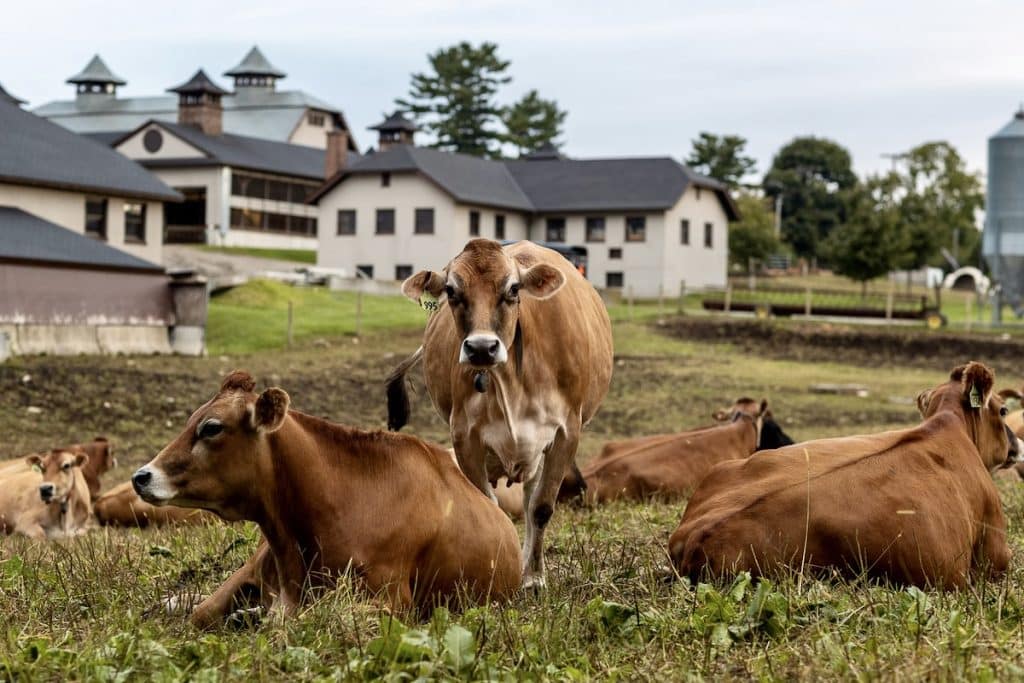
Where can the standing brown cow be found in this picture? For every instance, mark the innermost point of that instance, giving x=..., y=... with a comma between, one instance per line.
x=391, y=508
x=516, y=363
x=915, y=506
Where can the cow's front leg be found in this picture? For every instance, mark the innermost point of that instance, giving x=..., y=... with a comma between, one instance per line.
x=539, y=495
x=472, y=460
x=254, y=584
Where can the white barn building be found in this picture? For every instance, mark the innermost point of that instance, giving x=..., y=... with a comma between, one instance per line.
x=647, y=224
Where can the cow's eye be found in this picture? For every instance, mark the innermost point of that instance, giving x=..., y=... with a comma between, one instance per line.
x=450, y=293
x=513, y=292
x=210, y=429
x=66, y=466
x=1003, y=411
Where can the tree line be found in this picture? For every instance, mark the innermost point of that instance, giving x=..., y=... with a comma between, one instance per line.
x=859, y=227
x=862, y=228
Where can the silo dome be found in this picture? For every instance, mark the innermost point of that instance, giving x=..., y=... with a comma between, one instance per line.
x=1003, y=239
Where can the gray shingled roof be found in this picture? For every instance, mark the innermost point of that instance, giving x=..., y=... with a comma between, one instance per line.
x=25, y=237
x=468, y=179
x=255, y=112
x=96, y=71
x=34, y=151
x=255, y=64
x=545, y=185
x=201, y=83
x=239, y=151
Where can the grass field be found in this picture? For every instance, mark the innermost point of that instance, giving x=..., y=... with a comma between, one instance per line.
x=88, y=608
x=297, y=255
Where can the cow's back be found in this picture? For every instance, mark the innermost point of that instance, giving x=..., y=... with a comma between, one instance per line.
x=567, y=340
x=121, y=506
x=895, y=505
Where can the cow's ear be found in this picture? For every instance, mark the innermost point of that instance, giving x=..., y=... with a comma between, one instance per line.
x=541, y=281
x=34, y=460
x=270, y=410
x=1011, y=393
x=922, y=402
x=977, y=384
x=424, y=281
x=763, y=411
x=81, y=459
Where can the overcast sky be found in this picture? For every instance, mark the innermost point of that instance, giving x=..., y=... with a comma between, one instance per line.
x=638, y=78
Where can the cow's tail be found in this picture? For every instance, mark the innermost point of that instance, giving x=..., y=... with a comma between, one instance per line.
x=398, y=394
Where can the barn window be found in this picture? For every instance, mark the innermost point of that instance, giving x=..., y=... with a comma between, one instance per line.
x=134, y=222
x=347, y=222
x=555, y=230
x=615, y=253
x=385, y=179
x=474, y=223
x=385, y=221
x=424, y=222
x=96, y=217
x=636, y=228
x=613, y=279
x=709, y=231
x=364, y=272
x=315, y=118
x=595, y=229
x=684, y=231
x=499, y=226
x=403, y=273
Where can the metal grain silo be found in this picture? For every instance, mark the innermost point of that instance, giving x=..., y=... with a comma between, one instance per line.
x=1003, y=239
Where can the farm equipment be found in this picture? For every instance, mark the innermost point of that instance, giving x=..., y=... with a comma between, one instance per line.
x=789, y=301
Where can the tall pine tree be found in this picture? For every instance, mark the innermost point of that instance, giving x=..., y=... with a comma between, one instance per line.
x=455, y=100
x=533, y=122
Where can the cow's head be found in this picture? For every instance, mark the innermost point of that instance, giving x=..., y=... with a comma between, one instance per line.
x=483, y=286
x=769, y=433
x=213, y=463
x=101, y=454
x=969, y=392
x=58, y=468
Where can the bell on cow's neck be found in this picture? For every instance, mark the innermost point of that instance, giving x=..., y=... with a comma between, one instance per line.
x=480, y=381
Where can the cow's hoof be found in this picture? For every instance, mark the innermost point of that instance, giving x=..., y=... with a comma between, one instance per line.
x=534, y=583
x=242, y=619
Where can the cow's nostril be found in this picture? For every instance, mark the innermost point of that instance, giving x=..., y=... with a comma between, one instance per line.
x=493, y=348
x=46, y=491
x=140, y=479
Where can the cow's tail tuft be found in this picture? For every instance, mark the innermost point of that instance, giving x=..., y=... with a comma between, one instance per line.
x=399, y=407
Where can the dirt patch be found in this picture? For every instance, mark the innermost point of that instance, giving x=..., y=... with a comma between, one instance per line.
x=817, y=342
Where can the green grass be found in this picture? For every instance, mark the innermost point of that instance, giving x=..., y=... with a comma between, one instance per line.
x=255, y=316
x=297, y=255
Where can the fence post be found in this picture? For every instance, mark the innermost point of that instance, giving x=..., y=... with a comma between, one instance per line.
x=359, y=312
x=888, y=305
x=751, y=276
x=661, y=302
x=807, y=301
x=289, y=323
x=970, y=311
x=629, y=301
x=728, y=298
x=682, y=294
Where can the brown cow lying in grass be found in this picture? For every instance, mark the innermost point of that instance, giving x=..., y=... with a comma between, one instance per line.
x=49, y=498
x=390, y=508
x=101, y=458
x=672, y=465
x=915, y=506
x=122, y=506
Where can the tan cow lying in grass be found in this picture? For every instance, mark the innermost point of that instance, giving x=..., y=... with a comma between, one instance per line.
x=122, y=506
x=672, y=465
x=915, y=506
x=390, y=508
x=49, y=498
x=100, y=459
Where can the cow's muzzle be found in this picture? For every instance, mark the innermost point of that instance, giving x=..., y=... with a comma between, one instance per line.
x=483, y=350
x=47, y=492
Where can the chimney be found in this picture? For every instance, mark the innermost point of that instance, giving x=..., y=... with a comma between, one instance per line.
x=336, y=154
x=199, y=104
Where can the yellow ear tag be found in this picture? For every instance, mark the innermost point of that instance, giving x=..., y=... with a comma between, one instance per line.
x=37, y=468
x=428, y=302
x=975, y=397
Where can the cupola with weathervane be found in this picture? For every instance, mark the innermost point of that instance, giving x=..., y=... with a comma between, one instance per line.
x=95, y=81
x=395, y=130
x=255, y=72
x=199, y=103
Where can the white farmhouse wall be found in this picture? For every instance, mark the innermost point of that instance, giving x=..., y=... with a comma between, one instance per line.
x=695, y=263
x=67, y=209
x=309, y=135
x=406, y=193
